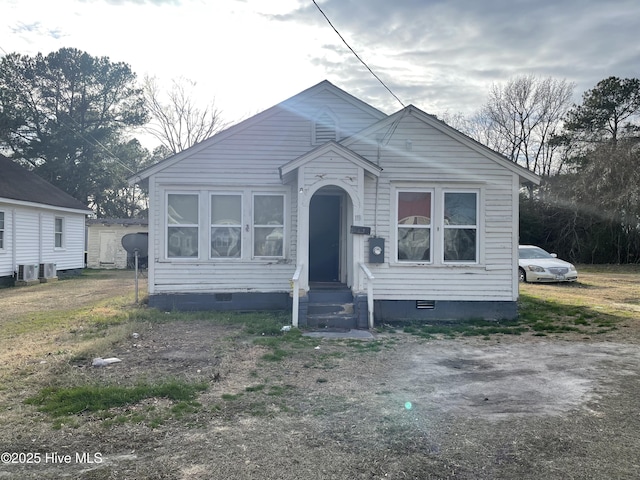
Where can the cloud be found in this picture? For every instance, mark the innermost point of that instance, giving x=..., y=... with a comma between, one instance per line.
x=444, y=54
x=36, y=28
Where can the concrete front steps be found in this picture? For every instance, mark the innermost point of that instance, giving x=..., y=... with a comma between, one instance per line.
x=331, y=306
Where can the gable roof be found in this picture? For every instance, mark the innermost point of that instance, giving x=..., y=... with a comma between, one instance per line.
x=18, y=183
x=331, y=147
x=289, y=104
x=525, y=175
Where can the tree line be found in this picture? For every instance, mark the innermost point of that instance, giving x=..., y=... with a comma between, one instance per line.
x=587, y=208
x=71, y=118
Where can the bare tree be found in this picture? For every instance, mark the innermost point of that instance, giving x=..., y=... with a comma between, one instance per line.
x=521, y=118
x=177, y=122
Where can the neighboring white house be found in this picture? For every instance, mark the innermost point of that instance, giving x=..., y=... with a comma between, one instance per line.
x=42, y=228
x=104, y=240
x=323, y=192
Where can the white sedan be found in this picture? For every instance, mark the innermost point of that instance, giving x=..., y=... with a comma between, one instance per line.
x=537, y=265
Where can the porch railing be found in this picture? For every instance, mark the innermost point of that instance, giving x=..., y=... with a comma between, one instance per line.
x=295, y=285
x=370, y=279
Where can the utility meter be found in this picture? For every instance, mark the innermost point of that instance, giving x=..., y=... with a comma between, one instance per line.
x=376, y=250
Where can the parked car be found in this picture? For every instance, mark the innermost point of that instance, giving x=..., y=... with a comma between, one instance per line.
x=538, y=265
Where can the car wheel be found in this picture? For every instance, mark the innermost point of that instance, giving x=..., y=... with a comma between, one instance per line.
x=522, y=276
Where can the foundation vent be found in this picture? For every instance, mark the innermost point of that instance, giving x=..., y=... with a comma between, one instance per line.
x=425, y=304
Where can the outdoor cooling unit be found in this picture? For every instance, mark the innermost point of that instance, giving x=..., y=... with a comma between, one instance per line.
x=27, y=273
x=47, y=271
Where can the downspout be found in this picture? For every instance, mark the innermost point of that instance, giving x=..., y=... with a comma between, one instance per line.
x=40, y=238
x=14, y=253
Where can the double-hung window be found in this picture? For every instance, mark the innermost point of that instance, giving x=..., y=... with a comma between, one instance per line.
x=59, y=232
x=437, y=225
x=226, y=226
x=268, y=225
x=460, y=227
x=182, y=225
x=414, y=226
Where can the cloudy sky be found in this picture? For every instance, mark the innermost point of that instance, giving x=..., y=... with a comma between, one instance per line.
x=440, y=55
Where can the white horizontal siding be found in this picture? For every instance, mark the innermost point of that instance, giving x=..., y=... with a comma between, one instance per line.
x=34, y=232
x=6, y=253
x=71, y=255
x=441, y=283
x=264, y=147
x=249, y=158
x=222, y=277
x=412, y=153
x=432, y=159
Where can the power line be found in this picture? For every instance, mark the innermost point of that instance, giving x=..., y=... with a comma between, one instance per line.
x=356, y=55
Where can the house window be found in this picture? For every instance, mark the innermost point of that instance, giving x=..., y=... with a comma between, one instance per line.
x=460, y=227
x=59, y=232
x=1, y=230
x=182, y=225
x=268, y=226
x=226, y=226
x=414, y=226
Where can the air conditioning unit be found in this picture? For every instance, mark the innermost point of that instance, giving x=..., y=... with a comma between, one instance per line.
x=27, y=273
x=47, y=272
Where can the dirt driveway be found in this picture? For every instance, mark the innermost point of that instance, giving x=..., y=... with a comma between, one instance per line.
x=506, y=407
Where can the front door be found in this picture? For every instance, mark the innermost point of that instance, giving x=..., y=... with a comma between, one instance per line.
x=324, y=238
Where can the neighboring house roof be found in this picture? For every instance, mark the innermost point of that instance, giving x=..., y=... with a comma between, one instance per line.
x=126, y=222
x=289, y=104
x=19, y=184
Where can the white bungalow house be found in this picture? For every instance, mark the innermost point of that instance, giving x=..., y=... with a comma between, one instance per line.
x=322, y=200
x=42, y=229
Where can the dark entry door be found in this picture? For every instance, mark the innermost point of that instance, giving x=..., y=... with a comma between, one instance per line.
x=324, y=238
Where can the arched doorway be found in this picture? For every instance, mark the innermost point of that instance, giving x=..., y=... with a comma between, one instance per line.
x=328, y=249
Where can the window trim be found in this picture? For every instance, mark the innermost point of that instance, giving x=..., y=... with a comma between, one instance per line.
x=243, y=236
x=247, y=194
x=168, y=225
x=437, y=222
x=475, y=227
x=254, y=194
x=430, y=227
x=58, y=233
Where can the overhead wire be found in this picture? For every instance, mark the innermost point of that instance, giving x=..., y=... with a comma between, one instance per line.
x=358, y=56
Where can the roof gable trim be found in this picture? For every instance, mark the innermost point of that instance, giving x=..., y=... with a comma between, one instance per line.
x=526, y=176
x=337, y=149
x=289, y=103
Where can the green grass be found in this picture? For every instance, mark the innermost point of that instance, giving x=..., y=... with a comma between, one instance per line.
x=535, y=315
x=252, y=323
x=285, y=344
x=59, y=402
x=260, y=400
x=467, y=328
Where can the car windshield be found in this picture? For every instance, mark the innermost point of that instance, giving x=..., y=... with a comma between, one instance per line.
x=534, y=252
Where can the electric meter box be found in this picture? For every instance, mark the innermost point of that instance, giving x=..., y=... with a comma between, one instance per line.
x=376, y=250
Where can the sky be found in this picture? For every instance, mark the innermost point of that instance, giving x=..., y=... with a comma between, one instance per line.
x=442, y=56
